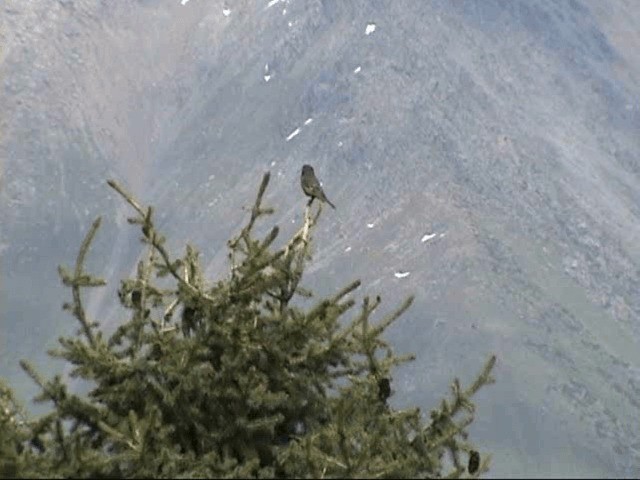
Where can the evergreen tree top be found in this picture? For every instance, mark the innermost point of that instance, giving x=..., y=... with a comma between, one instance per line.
x=233, y=378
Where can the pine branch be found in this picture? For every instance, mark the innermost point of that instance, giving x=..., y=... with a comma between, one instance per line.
x=157, y=241
x=79, y=279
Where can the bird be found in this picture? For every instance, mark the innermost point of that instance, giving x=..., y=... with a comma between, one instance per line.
x=311, y=185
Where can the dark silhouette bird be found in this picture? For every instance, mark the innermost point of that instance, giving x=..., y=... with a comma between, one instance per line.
x=311, y=185
x=474, y=461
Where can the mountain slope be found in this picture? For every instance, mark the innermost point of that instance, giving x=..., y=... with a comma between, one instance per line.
x=488, y=149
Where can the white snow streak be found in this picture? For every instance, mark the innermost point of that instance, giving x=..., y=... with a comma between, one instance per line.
x=293, y=134
x=402, y=274
x=427, y=237
x=357, y=69
x=272, y=3
x=297, y=130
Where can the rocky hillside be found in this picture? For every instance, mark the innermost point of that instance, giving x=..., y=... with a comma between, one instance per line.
x=483, y=155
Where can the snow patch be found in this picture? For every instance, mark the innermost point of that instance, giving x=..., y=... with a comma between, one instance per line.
x=427, y=237
x=226, y=12
x=371, y=225
x=273, y=164
x=357, y=69
x=272, y=3
x=402, y=274
x=184, y=2
x=297, y=130
x=293, y=134
x=348, y=249
x=371, y=27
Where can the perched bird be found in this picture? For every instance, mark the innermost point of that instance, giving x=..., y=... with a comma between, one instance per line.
x=311, y=185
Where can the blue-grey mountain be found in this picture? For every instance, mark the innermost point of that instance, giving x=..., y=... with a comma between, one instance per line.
x=485, y=157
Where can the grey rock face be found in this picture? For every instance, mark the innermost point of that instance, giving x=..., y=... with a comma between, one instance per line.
x=484, y=155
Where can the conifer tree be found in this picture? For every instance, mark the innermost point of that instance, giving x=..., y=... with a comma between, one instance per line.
x=237, y=378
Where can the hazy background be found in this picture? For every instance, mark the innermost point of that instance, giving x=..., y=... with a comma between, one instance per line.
x=490, y=149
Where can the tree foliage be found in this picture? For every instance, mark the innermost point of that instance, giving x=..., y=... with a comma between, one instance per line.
x=236, y=378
